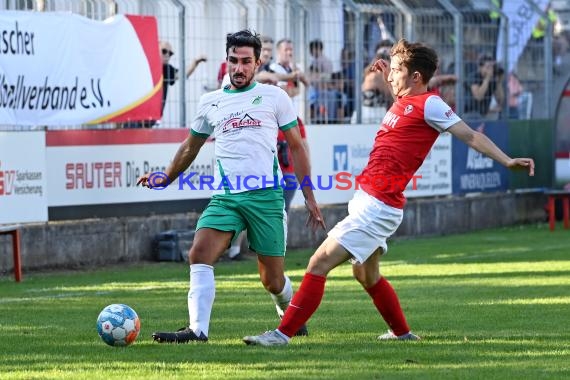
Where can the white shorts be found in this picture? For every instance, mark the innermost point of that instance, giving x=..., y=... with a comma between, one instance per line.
x=368, y=224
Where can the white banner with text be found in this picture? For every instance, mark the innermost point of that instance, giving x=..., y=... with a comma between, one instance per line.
x=102, y=167
x=23, y=195
x=64, y=69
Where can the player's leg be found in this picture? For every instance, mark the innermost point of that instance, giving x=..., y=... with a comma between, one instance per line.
x=214, y=231
x=305, y=302
x=372, y=222
x=209, y=244
x=307, y=299
x=272, y=275
x=267, y=234
x=384, y=297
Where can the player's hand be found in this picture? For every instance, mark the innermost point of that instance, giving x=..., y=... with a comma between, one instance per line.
x=315, y=218
x=522, y=163
x=154, y=180
x=381, y=66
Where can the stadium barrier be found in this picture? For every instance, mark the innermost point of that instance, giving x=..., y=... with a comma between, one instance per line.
x=104, y=241
x=14, y=231
x=564, y=197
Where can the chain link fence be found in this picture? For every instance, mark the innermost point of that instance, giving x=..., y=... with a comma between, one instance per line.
x=463, y=32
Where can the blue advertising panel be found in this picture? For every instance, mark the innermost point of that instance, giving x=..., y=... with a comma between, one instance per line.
x=473, y=171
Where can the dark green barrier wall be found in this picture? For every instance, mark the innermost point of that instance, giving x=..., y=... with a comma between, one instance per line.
x=532, y=138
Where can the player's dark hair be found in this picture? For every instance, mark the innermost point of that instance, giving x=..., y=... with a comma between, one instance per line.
x=416, y=57
x=244, y=38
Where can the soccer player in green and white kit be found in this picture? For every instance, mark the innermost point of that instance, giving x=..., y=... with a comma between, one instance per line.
x=244, y=117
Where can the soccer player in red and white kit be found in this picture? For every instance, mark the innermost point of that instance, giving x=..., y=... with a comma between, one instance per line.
x=405, y=137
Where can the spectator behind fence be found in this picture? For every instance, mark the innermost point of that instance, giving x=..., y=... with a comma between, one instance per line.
x=264, y=72
x=560, y=48
x=480, y=87
x=515, y=91
x=376, y=93
x=348, y=75
x=288, y=77
x=169, y=73
x=169, y=78
x=320, y=64
x=444, y=86
x=331, y=102
x=320, y=70
x=286, y=65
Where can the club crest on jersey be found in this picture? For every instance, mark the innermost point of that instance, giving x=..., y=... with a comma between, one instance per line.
x=409, y=108
x=257, y=100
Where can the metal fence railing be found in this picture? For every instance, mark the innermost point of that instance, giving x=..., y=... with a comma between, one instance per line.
x=461, y=31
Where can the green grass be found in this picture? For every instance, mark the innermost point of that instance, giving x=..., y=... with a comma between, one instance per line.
x=489, y=305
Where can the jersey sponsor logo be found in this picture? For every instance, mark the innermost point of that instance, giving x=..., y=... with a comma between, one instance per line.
x=257, y=100
x=240, y=122
x=449, y=113
x=389, y=120
x=409, y=108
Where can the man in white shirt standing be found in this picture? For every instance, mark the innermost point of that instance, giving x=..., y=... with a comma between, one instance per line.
x=244, y=118
x=285, y=65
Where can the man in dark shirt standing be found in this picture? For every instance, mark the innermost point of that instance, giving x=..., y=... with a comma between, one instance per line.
x=169, y=72
x=481, y=86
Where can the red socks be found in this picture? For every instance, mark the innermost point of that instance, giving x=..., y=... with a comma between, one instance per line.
x=386, y=301
x=304, y=303
x=308, y=298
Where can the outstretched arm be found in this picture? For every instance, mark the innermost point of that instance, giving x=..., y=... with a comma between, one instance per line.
x=187, y=152
x=194, y=65
x=303, y=171
x=483, y=144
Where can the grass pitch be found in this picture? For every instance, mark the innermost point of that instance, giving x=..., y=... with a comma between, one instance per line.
x=488, y=305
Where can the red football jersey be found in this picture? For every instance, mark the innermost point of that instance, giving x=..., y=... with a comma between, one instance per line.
x=406, y=135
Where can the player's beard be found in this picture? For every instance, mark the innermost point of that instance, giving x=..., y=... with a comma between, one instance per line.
x=244, y=83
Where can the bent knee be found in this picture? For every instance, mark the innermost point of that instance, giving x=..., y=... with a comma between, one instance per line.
x=202, y=255
x=366, y=278
x=366, y=281
x=273, y=286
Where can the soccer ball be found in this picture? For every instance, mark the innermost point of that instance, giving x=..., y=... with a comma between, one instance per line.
x=118, y=325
